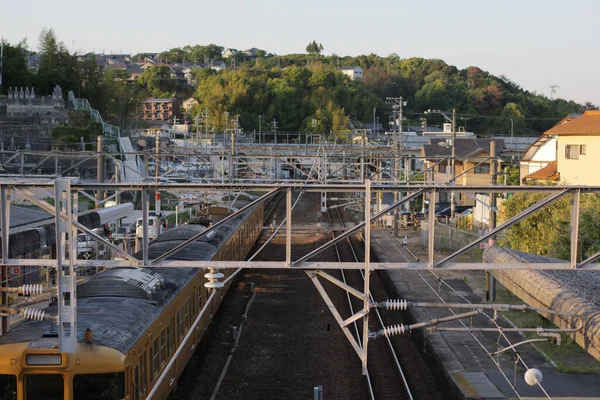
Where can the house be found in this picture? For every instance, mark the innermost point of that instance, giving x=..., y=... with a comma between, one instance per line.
x=251, y=52
x=147, y=64
x=154, y=109
x=540, y=154
x=230, y=52
x=354, y=73
x=217, y=65
x=117, y=65
x=134, y=73
x=577, y=148
x=472, y=164
x=189, y=103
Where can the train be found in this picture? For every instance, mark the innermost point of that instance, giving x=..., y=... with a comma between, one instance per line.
x=130, y=324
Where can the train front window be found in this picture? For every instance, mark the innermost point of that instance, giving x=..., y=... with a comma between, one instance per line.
x=8, y=387
x=44, y=387
x=99, y=386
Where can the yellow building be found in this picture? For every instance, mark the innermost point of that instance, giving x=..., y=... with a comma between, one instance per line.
x=472, y=165
x=577, y=150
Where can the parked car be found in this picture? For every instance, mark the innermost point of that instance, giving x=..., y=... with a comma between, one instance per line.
x=444, y=214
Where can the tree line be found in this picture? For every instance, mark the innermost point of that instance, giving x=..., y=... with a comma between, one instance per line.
x=297, y=90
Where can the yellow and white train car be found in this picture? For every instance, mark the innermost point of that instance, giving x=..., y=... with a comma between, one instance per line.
x=131, y=321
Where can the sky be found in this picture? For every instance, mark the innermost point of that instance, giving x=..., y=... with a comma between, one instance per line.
x=535, y=43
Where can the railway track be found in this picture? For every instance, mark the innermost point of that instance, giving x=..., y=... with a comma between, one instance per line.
x=385, y=378
x=272, y=205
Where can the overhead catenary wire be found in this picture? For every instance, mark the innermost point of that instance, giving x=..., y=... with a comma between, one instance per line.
x=499, y=328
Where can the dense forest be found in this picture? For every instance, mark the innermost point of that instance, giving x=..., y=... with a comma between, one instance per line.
x=293, y=89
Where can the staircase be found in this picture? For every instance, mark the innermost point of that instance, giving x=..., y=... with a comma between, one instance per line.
x=130, y=166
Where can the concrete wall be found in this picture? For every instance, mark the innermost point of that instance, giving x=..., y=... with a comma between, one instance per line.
x=582, y=171
x=567, y=291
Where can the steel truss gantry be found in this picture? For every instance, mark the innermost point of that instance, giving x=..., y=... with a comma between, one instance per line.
x=67, y=224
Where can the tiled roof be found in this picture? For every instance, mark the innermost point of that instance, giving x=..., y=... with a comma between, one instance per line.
x=587, y=124
x=548, y=173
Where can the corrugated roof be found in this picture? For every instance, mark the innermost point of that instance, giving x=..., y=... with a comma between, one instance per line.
x=587, y=124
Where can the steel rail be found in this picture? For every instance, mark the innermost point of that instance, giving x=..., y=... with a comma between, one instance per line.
x=380, y=319
x=358, y=338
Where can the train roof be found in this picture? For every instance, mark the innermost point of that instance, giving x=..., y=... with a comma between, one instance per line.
x=112, y=304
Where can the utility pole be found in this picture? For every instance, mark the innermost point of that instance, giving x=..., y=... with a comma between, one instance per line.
x=259, y=128
x=490, y=293
x=206, y=122
x=197, y=122
x=453, y=193
x=274, y=126
x=397, y=104
x=156, y=172
x=226, y=121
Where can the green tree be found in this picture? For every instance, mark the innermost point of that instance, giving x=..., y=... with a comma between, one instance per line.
x=314, y=48
x=511, y=121
x=14, y=68
x=57, y=66
x=546, y=232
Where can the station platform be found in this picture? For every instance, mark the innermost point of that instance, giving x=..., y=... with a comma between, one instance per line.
x=461, y=360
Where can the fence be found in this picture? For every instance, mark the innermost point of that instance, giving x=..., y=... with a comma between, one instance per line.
x=447, y=237
x=84, y=105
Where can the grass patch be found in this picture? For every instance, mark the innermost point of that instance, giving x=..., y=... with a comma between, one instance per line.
x=569, y=357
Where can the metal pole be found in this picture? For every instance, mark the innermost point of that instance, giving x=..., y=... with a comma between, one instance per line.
x=452, y=194
x=288, y=228
x=366, y=306
x=4, y=223
x=66, y=279
x=575, y=195
x=492, y=216
x=145, y=216
x=100, y=170
x=431, y=245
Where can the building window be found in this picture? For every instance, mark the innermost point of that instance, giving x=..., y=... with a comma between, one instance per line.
x=482, y=169
x=572, y=151
x=582, y=149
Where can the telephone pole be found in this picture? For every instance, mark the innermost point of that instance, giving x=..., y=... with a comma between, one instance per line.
x=274, y=126
x=397, y=103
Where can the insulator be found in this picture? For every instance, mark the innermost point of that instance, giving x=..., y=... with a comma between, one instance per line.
x=29, y=290
x=394, y=304
x=32, y=313
x=394, y=330
x=214, y=275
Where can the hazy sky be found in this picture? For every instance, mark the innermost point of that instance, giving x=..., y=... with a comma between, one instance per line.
x=536, y=43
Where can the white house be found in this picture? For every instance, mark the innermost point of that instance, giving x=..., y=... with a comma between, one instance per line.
x=353, y=73
x=539, y=161
x=230, y=52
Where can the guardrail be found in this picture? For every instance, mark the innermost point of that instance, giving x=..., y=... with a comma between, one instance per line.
x=84, y=105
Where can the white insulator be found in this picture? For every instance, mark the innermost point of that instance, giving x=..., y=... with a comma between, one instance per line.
x=394, y=304
x=394, y=330
x=29, y=290
x=214, y=275
x=32, y=313
x=214, y=285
